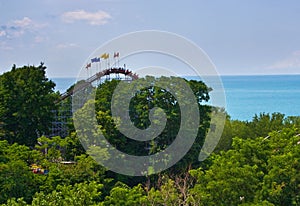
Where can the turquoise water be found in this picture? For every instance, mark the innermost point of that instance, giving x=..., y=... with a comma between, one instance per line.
x=248, y=95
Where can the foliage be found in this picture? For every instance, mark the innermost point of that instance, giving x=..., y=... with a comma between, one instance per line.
x=122, y=195
x=166, y=195
x=261, y=171
x=16, y=179
x=255, y=163
x=79, y=194
x=254, y=171
x=26, y=103
x=140, y=104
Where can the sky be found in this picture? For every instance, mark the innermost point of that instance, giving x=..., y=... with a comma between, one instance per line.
x=240, y=37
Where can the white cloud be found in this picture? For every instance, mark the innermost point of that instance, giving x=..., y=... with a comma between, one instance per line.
x=25, y=22
x=17, y=28
x=93, y=18
x=292, y=61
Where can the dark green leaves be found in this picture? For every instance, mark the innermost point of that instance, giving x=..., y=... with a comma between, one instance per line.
x=26, y=101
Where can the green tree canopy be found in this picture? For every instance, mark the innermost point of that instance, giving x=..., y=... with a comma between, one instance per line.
x=264, y=171
x=26, y=101
x=140, y=104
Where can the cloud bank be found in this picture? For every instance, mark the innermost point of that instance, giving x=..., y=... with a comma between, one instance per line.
x=92, y=18
x=17, y=28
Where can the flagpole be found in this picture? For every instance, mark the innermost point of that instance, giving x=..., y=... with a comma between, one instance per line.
x=100, y=65
x=87, y=68
x=115, y=63
x=97, y=68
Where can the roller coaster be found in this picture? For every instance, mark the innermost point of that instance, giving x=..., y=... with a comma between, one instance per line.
x=128, y=75
x=64, y=115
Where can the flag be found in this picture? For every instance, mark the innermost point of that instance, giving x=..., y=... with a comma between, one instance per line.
x=95, y=60
x=116, y=54
x=105, y=56
x=88, y=65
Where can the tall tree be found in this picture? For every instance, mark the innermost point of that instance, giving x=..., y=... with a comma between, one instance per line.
x=140, y=104
x=26, y=102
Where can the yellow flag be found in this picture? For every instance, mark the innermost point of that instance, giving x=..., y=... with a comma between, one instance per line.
x=105, y=56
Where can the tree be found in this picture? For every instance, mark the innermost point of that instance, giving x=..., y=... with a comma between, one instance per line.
x=256, y=171
x=281, y=184
x=145, y=99
x=79, y=194
x=262, y=124
x=16, y=179
x=122, y=195
x=26, y=103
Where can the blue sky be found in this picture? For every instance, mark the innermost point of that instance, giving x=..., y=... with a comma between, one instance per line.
x=240, y=37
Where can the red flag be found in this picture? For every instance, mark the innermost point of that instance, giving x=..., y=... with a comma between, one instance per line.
x=88, y=65
x=116, y=54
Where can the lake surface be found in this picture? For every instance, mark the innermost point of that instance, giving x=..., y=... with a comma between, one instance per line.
x=250, y=95
x=247, y=95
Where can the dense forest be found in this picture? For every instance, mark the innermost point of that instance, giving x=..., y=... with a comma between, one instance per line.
x=256, y=162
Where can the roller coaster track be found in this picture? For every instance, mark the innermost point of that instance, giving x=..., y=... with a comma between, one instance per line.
x=59, y=124
x=98, y=76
